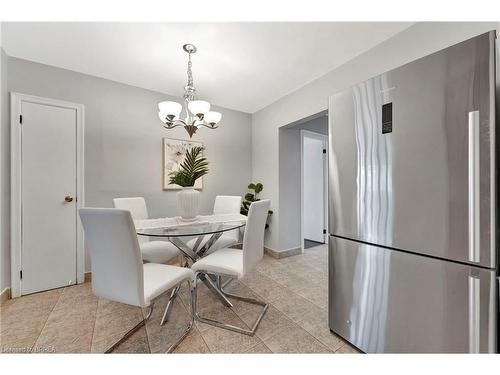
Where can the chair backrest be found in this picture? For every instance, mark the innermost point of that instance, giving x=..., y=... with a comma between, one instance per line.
x=253, y=241
x=227, y=204
x=115, y=257
x=136, y=206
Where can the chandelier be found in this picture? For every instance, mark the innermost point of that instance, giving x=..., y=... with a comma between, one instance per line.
x=196, y=112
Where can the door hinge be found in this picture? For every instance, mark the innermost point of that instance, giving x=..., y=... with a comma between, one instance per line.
x=324, y=151
x=21, y=274
x=324, y=231
x=20, y=119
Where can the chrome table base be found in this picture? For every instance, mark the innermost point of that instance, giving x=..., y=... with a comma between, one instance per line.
x=195, y=254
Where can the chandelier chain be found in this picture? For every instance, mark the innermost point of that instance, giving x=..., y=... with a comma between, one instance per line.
x=190, y=72
x=189, y=92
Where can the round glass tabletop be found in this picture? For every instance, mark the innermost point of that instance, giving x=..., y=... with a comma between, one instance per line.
x=194, y=229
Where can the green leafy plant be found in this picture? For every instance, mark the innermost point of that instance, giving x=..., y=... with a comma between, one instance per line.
x=252, y=196
x=192, y=168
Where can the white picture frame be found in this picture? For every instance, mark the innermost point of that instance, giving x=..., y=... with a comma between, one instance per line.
x=174, y=153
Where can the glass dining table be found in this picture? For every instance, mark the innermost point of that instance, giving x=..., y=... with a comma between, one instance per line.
x=182, y=233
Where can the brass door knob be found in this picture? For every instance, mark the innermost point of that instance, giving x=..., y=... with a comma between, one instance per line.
x=68, y=199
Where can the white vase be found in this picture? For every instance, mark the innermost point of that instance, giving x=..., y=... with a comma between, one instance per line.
x=188, y=200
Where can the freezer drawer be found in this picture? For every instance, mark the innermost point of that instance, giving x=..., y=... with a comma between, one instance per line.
x=387, y=301
x=412, y=156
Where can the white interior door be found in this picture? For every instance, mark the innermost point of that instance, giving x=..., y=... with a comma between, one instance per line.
x=48, y=196
x=314, y=193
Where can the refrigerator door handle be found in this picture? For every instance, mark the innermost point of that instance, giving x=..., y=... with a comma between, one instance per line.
x=473, y=182
x=474, y=313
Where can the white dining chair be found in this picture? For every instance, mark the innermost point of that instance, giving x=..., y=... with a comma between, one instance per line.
x=224, y=204
x=118, y=273
x=235, y=263
x=152, y=251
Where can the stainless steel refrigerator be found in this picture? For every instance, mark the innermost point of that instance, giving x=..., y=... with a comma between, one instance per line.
x=412, y=206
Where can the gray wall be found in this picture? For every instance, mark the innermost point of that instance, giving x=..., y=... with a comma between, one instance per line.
x=418, y=40
x=289, y=179
x=4, y=175
x=123, y=138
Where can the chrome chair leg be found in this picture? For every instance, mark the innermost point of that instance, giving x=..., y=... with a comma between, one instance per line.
x=170, y=305
x=191, y=322
x=132, y=330
x=249, y=332
x=143, y=322
x=173, y=295
x=212, y=285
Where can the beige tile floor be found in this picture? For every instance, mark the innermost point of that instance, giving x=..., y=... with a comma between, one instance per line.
x=72, y=320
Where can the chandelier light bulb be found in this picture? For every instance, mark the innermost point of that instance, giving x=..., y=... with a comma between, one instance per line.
x=199, y=107
x=165, y=117
x=170, y=108
x=212, y=118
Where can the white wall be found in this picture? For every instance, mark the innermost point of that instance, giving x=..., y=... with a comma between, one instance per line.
x=123, y=138
x=419, y=40
x=4, y=172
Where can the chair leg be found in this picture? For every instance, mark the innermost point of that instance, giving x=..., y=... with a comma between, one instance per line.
x=249, y=332
x=170, y=305
x=131, y=331
x=173, y=295
x=143, y=322
x=191, y=322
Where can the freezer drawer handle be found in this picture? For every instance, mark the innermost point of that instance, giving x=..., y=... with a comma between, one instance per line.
x=474, y=313
x=473, y=177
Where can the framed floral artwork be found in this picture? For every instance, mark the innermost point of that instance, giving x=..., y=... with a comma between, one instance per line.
x=174, y=152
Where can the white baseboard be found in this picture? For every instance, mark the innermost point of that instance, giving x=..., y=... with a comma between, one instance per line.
x=5, y=296
x=278, y=254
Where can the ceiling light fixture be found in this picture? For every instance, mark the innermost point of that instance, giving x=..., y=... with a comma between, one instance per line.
x=197, y=112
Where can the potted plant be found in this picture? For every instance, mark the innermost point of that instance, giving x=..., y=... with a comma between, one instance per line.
x=251, y=197
x=193, y=167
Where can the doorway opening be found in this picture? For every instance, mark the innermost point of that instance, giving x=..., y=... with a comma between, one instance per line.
x=314, y=190
x=303, y=183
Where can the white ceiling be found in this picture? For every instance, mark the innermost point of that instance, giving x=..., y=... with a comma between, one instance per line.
x=243, y=66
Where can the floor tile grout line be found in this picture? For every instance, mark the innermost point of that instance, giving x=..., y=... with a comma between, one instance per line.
x=199, y=332
x=340, y=347
x=308, y=333
x=95, y=322
x=321, y=341
x=46, y=320
x=291, y=320
x=203, y=339
x=289, y=290
x=277, y=280
x=241, y=319
x=314, y=336
x=295, y=323
x=260, y=342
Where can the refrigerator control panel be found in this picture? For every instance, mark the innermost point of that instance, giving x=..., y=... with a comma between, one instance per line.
x=387, y=118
